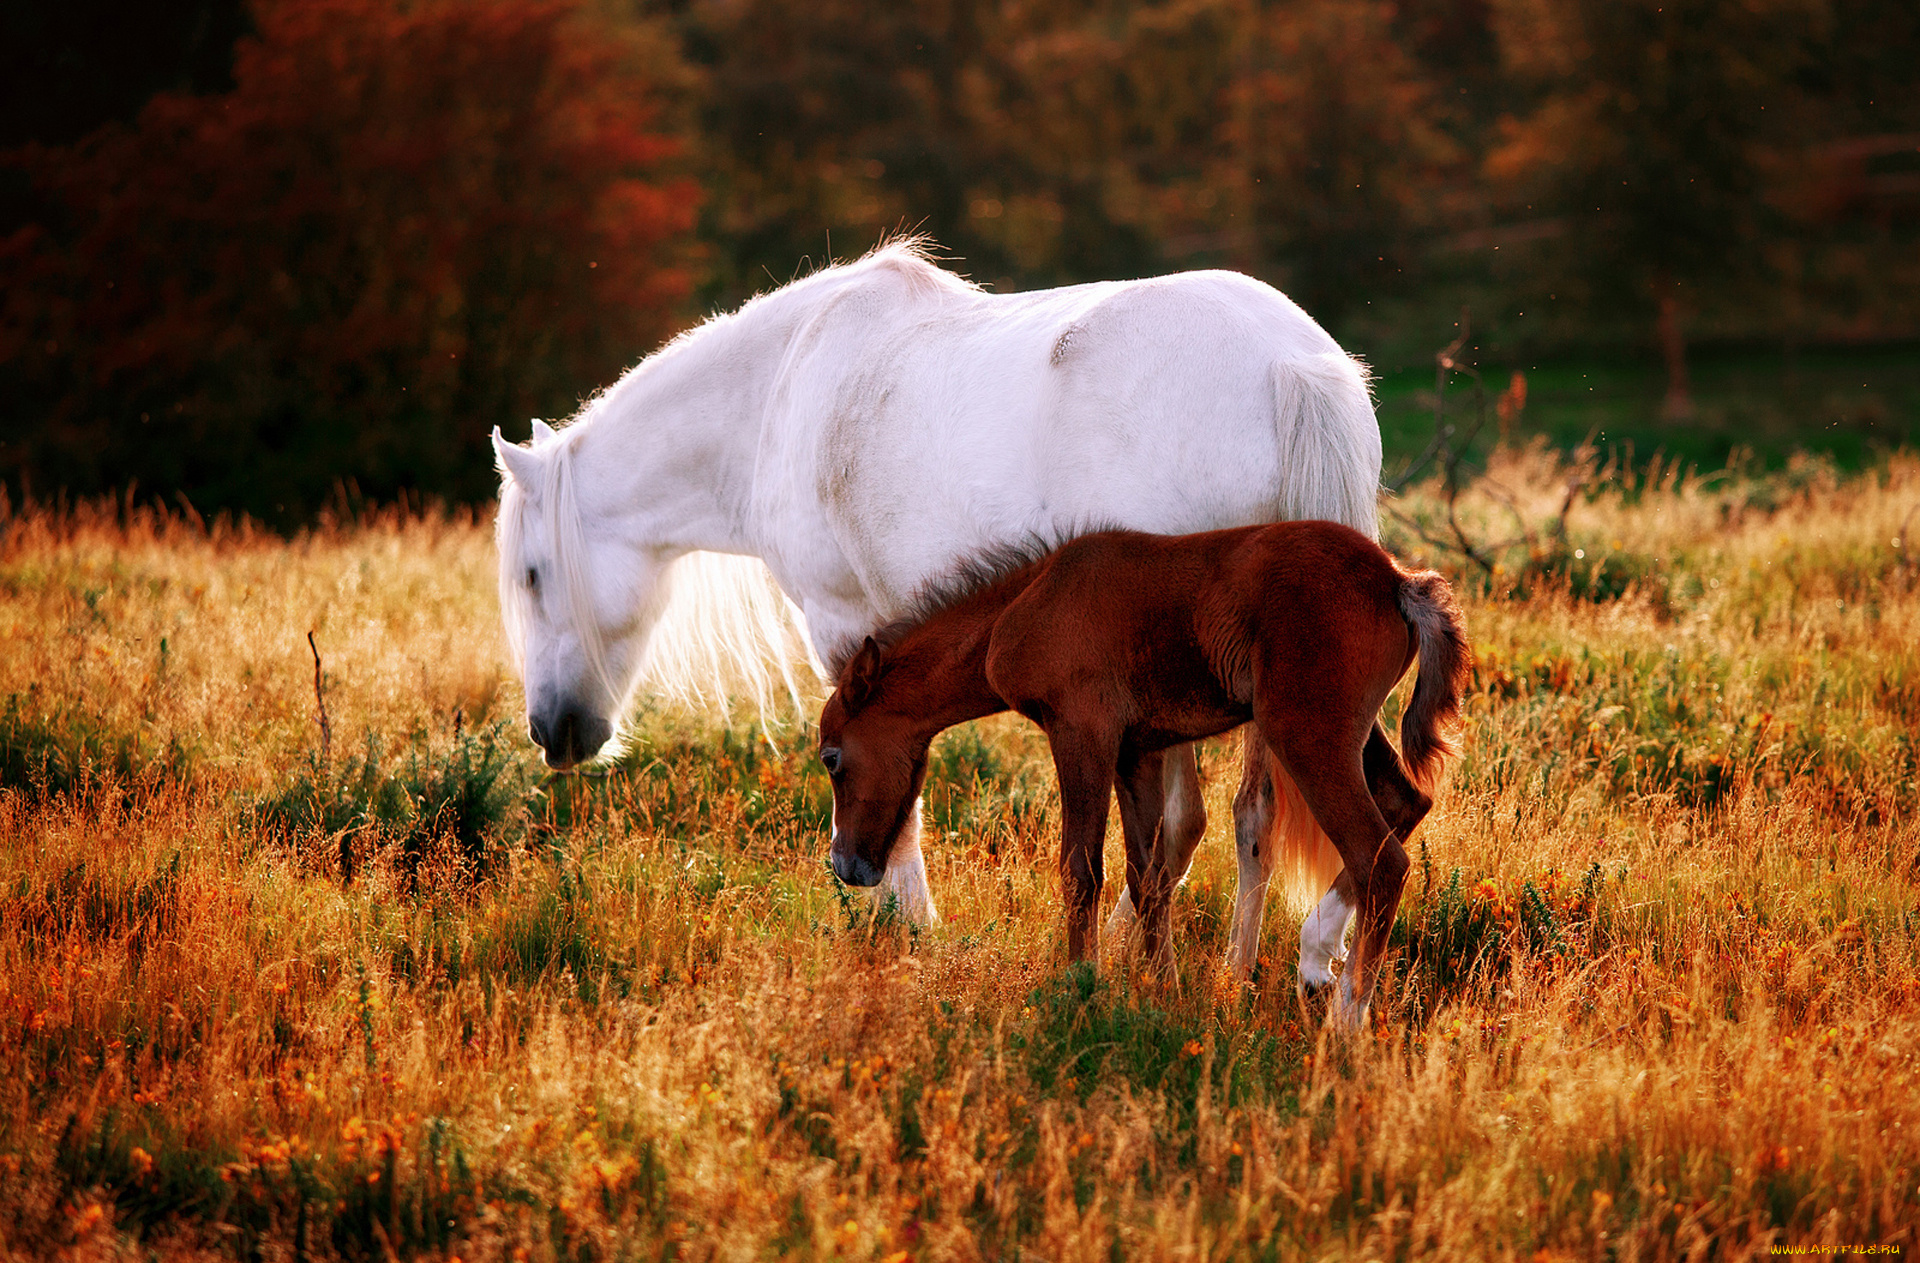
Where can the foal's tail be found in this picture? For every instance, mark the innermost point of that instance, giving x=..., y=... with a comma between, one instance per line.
x=1428, y=605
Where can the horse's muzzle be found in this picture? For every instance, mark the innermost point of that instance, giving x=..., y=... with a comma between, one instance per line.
x=570, y=737
x=855, y=871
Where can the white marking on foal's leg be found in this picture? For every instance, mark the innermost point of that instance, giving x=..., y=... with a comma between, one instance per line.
x=906, y=878
x=1323, y=941
x=1347, y=1012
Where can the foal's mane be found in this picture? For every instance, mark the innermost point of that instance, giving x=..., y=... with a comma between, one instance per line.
x=968, y=577
x=990, y=566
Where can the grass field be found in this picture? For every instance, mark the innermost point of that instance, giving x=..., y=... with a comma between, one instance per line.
x=386, y=991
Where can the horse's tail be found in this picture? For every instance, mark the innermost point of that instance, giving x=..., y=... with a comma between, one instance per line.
x=1440, y=636
x=1329, y=441
x=728, y=632
x=1330, y=471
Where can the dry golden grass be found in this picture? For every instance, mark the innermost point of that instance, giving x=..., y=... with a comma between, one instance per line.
x=1658, y=991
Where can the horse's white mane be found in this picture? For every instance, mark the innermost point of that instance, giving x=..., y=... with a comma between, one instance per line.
x=727, y=630
x=561, y=516
x=714, y=616
x=913, y=259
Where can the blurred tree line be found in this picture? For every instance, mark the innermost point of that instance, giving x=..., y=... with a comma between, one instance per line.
x=248, y=252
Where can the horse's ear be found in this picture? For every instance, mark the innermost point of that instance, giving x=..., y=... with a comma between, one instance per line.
x=516, y=462
x=862, y=674
x=542, y=432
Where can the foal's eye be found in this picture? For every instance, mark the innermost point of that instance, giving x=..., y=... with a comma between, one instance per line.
x=830, y=759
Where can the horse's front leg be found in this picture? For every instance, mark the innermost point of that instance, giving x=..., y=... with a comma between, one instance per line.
x=906, y=876
x=1139, y=786
x=1084, y=765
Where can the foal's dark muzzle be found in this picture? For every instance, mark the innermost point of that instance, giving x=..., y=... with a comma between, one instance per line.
x=569, y=736
x=855, y=871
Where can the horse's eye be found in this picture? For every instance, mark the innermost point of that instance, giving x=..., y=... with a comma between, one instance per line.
x=533, y=579
x=830, y=759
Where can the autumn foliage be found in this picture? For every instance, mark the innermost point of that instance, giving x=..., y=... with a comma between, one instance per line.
x=404, y=225
x=402, y=222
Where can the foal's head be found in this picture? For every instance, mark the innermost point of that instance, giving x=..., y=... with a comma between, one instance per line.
x=877, y=758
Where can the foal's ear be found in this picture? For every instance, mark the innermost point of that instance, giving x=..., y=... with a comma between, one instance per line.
x=516, y=462
x=862, y=674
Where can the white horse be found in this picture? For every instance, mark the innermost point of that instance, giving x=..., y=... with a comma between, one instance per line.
x=866, y=429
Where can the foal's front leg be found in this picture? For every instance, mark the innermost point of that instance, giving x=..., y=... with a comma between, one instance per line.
x=1084, y=765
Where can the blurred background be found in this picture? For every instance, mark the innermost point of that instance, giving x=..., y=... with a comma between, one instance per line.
x=286, y=254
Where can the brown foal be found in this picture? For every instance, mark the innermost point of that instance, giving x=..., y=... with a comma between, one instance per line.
x=1120, y=645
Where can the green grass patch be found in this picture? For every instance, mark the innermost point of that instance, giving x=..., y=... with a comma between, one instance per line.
x=1850, y=405
x=461, y=798
x=1083, y=1032
x=67, y=749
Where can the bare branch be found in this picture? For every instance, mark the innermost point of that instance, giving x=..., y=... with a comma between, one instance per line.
x=320, y=698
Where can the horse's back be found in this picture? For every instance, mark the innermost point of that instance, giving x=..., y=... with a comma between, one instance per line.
x=933, y=421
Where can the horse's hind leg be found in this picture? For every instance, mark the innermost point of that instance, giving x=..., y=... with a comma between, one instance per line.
x=1323, y=936
x=1403, y=803
x=1273, y=826
x=1183, y=822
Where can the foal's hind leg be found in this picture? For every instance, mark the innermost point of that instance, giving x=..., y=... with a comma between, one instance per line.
x=1253, y=812
x=1183, y=822
x=1323, y=936
x=1139, y=785
x=1273, y=825
x=1403, y=805
x=1328, y=766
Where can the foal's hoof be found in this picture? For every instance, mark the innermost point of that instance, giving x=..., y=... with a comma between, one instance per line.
x=1317, y=999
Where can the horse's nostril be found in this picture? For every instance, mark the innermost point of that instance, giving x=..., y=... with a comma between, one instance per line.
x=855, y=871
x=568, y=734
